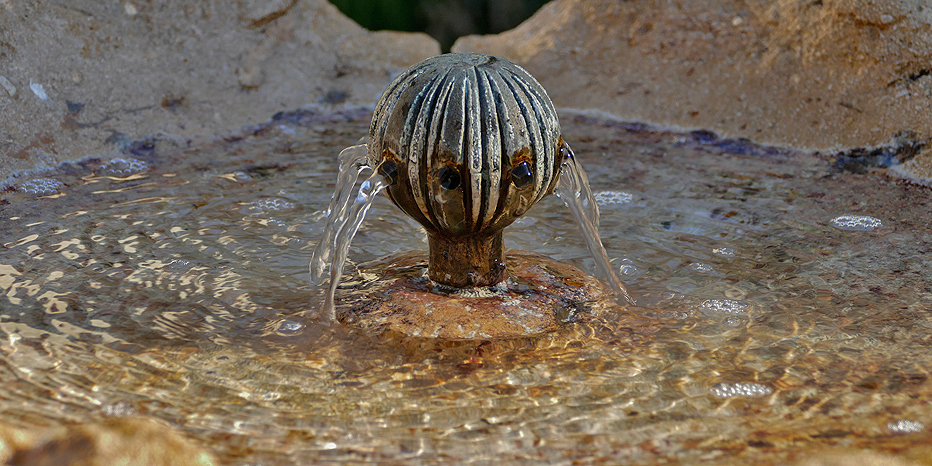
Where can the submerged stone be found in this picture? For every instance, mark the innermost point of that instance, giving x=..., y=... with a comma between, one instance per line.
x=539, y=295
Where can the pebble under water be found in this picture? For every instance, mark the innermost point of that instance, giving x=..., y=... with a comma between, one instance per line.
x=174, y=284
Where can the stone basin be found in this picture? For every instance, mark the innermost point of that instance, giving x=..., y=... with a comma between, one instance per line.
x=153, y=268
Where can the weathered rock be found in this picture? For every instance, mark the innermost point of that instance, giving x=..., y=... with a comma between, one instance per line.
x=817, y=75
x=128, y=441
x=13, y=439
x=917, y=170
x=88, y=77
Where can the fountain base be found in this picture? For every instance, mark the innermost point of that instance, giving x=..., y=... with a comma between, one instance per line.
x=539, y=295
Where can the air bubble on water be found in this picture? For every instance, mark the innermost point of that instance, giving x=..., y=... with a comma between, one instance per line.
x=119, y=409
x=699, y=267
x=724, y=252
x=856, y=223
x=747, y=389
x=736, y=322
x=724, y=306
x=627, y=267
x=179, y=264
x=123, y=167
x=276, y=223
x=905, y=426
x=42, y=186
x=613, y=198
x=270, y=205
x=290, y=327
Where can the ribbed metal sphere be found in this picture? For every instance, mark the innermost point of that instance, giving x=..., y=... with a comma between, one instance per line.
x=472, y=143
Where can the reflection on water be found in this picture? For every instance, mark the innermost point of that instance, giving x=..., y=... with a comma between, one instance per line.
x=175, y=285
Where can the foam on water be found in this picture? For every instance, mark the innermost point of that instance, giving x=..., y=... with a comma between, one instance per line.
x=290, y=327
x=743, y=389
x=270, y=205
x=906, y=426
x=724, y=252
x=42, y=186
x=856, y=223
x=613, y=198
x=724, y=306
x=700, y=267
x=123, y=167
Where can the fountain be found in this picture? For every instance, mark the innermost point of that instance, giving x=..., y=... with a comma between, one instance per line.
x=464, y=144
x=782, y=307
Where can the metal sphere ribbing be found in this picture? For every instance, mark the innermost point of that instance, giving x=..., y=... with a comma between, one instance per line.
x=471, y=142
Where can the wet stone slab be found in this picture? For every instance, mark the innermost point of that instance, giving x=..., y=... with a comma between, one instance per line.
x=173, y=284
x=538, y=295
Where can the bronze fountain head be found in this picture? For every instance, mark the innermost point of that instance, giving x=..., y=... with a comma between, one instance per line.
x=469, y=142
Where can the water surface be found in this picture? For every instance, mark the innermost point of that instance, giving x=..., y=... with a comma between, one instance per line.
x=172, y=283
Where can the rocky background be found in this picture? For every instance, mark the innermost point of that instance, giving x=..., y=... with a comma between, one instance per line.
x=830, y=75
x=84, y=77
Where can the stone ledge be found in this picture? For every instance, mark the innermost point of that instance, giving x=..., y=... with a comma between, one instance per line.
x=808, y=75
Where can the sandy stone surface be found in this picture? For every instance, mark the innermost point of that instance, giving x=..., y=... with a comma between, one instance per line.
x=917, y=170
x=86, y=77
x=130, y=441
x=821, y=75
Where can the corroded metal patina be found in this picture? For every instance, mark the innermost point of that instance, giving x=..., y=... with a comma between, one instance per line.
x=469, y=142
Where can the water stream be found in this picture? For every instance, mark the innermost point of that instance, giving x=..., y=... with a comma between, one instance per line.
x=575, y=192
x=352, y=161
x=783, y=309
x=344, y=217
x=367, y=193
